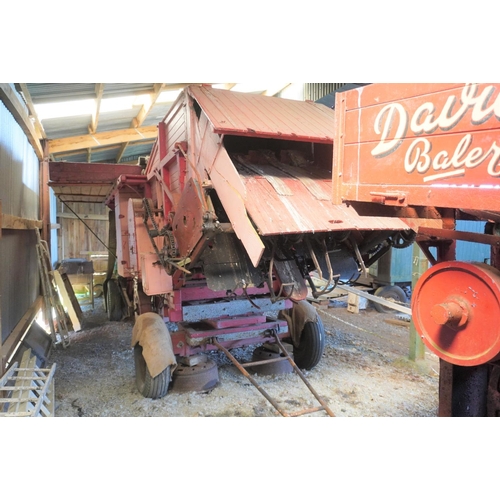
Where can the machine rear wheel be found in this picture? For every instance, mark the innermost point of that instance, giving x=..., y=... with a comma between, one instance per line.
x=395, y=293
x=312, y=344
x=148, y=386
x=114, y=301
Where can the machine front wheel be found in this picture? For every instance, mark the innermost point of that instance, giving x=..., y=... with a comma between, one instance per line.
x=148, y=386
x=312, y=344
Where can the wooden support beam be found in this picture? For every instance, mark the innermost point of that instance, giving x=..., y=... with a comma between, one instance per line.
x=271, y=91
x=99, y=90
x=13, y=103
x=44, y=212
x=122, y=150
x=13, y=222
x=102, y=139
x=65, y=215
x=143, y=113
x=31, y=107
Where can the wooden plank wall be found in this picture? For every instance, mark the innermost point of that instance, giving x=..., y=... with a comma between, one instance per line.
x=75, y=240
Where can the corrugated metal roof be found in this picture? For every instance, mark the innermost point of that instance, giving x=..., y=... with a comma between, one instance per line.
x=57, y=128
x=237, y=113
x=42, y=93
x=59, y=92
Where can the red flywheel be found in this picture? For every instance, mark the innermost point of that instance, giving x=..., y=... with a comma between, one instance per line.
x=456, y=311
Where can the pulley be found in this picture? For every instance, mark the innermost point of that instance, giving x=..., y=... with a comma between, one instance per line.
x=456, y=311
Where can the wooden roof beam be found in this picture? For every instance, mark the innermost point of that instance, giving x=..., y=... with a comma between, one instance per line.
x=120, y=153
x=99, y=90
x=271, y=91
x=143, y=113
x=33, y=114
x=109, y=138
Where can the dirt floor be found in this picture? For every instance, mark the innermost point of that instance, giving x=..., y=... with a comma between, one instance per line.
x=364, y=372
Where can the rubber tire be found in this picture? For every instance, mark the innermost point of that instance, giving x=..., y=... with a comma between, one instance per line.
x=389, y=292
x=114, y=301
x=149, y=387
x=312, y=344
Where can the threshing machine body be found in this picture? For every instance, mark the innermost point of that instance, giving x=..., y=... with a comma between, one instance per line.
x=233, y=212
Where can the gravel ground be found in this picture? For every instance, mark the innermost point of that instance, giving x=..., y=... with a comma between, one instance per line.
x=364, y=372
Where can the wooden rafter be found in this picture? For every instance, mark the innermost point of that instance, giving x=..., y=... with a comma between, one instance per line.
x=99, y=89
x=33, y=114
x=271, y=91
x=122, y=150
x=109, y=138
x=143, y=113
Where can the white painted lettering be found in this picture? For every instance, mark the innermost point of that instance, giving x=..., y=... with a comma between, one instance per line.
x=391, y=112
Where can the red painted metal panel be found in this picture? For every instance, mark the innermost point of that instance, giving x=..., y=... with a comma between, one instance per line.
x=300, y=211
x=236, y=113
x=419, y=144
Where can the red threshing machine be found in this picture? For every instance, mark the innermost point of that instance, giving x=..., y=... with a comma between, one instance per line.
x=433, y=151
x=220, y=232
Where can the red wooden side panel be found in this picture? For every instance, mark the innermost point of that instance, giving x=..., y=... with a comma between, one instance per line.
x=419, y=144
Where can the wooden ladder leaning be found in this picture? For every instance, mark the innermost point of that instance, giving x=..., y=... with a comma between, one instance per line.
x=51, y=300
x=27, y=390
x=241, y=367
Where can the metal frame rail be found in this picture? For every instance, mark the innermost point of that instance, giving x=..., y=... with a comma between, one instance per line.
x=241, y=367
x=27, y=390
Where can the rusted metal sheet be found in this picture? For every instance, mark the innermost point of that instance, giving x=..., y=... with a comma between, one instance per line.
x=419, y=144
x=275, y=212
x=238, y=113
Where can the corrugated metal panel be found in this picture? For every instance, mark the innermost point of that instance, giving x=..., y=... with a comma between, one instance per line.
x=237, y=113
x=19, y=188
x=121, y=89
x=468, y=251
x=67, y=126
x=315, y=91
x=19, y=278
x=114, y=120
x=19, y=169
x=156, y=114
x=60, y=92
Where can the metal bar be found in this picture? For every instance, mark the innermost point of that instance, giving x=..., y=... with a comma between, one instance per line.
x=379, y=300
x=306, y=411
x=249, y=377
x=301, y=375
x=263, y=362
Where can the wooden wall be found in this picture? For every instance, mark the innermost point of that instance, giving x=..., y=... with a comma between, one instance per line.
x=76, y=240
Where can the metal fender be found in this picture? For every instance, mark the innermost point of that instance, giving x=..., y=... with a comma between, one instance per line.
x=301, y=313
x=151, y=333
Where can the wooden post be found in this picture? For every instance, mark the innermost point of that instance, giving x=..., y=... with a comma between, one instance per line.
x=44, y=195
x=419, y=266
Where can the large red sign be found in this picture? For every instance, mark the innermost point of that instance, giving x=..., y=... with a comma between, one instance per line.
x=419, y=144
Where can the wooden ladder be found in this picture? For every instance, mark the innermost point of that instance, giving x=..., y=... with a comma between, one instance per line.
x=241, y=367
x=51, y=300
x=27, y=390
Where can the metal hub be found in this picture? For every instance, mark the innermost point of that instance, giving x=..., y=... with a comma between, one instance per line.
x=456, y=310
x=198, y=378
x=263, y=354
